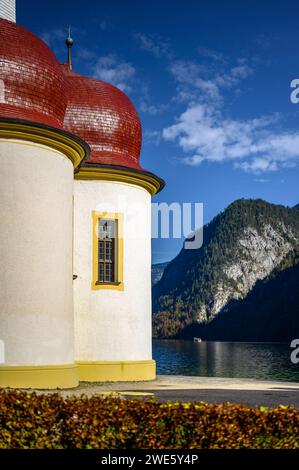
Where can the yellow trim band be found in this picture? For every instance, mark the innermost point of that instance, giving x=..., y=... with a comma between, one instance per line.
x=40, y=377
x=117, y=371
x=146, y=181
x=62, y=142
x=96, y=216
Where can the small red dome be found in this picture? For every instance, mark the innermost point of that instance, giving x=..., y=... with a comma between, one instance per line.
x=105, y=118
x=32, y=85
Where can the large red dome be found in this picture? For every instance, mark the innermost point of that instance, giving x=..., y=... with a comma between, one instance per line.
x=32, y=84
x=105, y=118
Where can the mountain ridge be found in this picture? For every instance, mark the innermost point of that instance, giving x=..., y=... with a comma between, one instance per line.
x=242, y=245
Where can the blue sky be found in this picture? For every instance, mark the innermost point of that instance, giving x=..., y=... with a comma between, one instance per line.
x=211, y=82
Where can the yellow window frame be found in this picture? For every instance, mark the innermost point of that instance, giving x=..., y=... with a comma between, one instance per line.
x=96, y=217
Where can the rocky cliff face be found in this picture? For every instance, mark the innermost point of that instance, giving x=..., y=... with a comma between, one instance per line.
x=157, y=272
x=258, y=255
x=243, y=245
x=269, y=312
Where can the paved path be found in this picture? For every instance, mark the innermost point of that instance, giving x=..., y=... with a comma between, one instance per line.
x=189, y=388
x=248, y=397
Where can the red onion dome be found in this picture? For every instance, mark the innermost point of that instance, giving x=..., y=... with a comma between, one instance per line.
x=32, y=85
x=105, y=118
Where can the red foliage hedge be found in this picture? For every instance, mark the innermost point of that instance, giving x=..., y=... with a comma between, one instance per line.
x=28, y=420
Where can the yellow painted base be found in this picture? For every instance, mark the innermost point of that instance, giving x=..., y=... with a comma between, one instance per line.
x=117, y=371
x=40, y=377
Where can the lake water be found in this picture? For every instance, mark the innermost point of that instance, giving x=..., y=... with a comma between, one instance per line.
x=222, y=359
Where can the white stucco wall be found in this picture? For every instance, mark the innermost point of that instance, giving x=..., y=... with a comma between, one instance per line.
x=8, y=10
x=36, y=305
x=113, y=325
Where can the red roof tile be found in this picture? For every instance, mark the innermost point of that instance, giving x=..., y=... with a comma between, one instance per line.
x=105, y=118
x=34, y=84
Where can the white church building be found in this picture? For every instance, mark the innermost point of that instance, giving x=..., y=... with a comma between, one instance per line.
x=75, y=233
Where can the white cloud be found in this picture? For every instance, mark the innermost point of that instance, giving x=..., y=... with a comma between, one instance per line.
x=234, y=76
x=152, y=137
x=204, y=133
x=211, y=54
x=190, y=74
x=258, y=165
x=199, y=82
x=152, y=109
x=154, y=44
x=84, y=54
x=252, y=146
x=261, y=180
x=54, y=36
x=147, y=104
x=112, y=69
x=241, y=71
